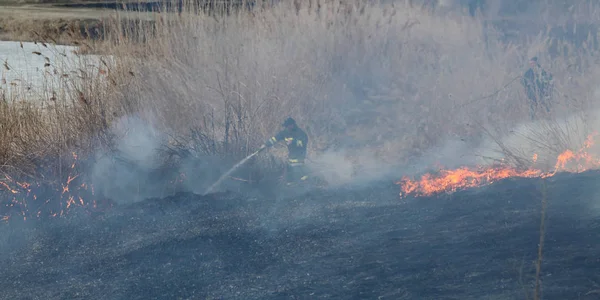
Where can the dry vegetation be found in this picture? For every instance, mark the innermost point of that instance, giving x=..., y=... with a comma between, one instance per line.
x=393, y=81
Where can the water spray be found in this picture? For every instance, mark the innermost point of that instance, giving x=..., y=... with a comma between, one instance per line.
x=212, y=187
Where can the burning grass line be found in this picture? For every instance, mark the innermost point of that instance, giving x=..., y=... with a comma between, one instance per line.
x=450, y=181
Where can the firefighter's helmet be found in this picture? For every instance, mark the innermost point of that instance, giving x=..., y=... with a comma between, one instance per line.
x=288, y=122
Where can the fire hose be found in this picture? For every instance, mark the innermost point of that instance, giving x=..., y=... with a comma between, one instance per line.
x=243, y=161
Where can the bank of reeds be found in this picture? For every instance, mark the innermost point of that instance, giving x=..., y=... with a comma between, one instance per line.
x=393, y=81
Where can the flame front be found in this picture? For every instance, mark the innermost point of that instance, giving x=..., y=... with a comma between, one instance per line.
x=448, y=181
x=453, y=180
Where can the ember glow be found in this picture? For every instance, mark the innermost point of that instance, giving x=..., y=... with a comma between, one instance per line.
x=25, y=201
x=449, y=181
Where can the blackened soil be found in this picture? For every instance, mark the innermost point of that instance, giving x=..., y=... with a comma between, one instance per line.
x=340, y=244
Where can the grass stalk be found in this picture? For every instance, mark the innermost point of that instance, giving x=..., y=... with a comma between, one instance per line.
x=538, y=264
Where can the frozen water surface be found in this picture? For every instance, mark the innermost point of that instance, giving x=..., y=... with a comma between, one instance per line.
x=34, y=70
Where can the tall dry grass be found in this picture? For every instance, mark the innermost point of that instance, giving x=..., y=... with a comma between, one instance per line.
x=390, y=81
x=352, y=75
x=398, y=79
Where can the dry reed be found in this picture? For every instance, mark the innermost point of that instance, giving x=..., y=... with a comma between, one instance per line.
x=395, y=81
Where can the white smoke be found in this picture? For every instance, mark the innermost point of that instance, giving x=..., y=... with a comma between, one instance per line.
x=122, y=175
x=138, y=168
x=363, y=166
x=545, y=139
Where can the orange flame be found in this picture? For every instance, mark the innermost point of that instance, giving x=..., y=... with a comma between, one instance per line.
x=8, y=187
x=452, y=180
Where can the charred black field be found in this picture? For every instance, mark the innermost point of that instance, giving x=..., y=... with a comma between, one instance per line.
x=345, y=243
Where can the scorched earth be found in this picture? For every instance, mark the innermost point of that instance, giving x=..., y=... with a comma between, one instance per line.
x=345, y=243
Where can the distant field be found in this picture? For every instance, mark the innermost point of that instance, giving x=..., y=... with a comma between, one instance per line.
x=52, y=2
x=33, y=23
x=27, y=20
x=51, y=12
x=30, y=21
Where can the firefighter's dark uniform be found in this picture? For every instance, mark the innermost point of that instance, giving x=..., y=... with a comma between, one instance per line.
x=538, y=87
x=296, y=140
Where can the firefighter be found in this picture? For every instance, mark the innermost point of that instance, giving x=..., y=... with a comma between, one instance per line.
x=296, y=140
x=538, y=87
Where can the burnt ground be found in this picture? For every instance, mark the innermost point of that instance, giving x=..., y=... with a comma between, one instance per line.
x=362, y=243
